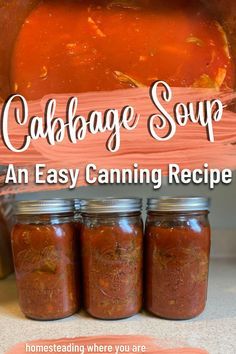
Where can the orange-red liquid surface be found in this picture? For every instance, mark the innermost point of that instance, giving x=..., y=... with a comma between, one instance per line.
x=80, y=46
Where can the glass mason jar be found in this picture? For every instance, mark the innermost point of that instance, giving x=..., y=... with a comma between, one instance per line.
x=78, y=216
x=44, y=252
x=6, y=266
x=177, y=247
x=6, y=211
x=112, y=257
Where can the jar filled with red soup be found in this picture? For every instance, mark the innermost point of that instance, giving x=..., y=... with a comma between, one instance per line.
x=177, y=247
x=112, y=257
x=44, y=251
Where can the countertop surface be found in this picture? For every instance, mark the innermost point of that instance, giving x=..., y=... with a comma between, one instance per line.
x=214, y=330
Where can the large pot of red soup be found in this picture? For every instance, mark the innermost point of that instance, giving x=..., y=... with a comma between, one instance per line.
x=67, y=46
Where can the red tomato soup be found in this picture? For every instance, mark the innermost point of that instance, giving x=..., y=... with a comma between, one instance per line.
x=80, y=46
x=44, y=249
x=112, y=256
x=177, y=241
x=5, y=246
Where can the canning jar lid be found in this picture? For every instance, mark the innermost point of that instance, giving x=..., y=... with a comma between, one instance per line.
x=178, y=204
x=110, y=205
x=48, y=206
